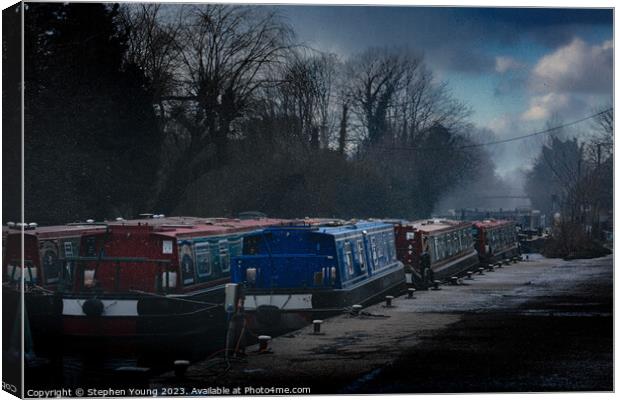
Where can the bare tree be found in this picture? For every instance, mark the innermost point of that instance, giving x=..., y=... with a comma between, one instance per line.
x=226, y=52
x=374, y=79
x=152, y=45
x=306, y=95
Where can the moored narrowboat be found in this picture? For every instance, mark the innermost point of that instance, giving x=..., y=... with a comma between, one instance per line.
x=42, y=268
x=294, y=274
x=495, y=240
x=434, y=249
x=143, y=283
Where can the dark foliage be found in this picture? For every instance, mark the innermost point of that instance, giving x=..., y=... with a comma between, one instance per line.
x=91, y=140
x=11, y=113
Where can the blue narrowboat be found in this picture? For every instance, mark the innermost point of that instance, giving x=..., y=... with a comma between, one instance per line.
x=291, y=275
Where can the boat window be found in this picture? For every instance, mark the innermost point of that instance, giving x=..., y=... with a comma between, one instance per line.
x=234, y=245
x=251, y=244
x=361, y=256
x=455, y=239
x=186, y=259
x=68, y=249
x=49, y=261
x=348, y=258
x=373, y=246
x=442, y=241
x=91, y=247
x=453, y=243
x=224, y=256
x=380, y=246
x=203, y=259
x=392, y=248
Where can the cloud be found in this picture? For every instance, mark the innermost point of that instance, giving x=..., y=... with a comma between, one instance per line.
x=576, y=67
x=543, y=107
x=504, y=64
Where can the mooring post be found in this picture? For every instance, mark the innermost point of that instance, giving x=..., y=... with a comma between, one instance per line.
x=469, y=275
x=410, y=293
x=356, y=309
x=436, y=285
x=454, y=280
x=388, y=301
x=263, y=343
x=480, y=271
x=180, y=367
x=317, y=326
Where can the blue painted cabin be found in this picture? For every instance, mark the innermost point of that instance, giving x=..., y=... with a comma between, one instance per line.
x=333, y=266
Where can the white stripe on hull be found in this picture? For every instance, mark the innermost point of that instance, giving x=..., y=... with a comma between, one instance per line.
x=282, y=301
x=111, y=308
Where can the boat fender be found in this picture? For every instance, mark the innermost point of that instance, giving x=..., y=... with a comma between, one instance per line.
x=93, y=307
x=268, y=315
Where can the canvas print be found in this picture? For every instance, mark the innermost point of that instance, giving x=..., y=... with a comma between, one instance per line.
x=256, y=199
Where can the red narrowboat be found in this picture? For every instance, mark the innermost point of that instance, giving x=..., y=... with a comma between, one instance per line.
x=495, y=240
x=434, y=249
x=42, y=267
x=154, y=281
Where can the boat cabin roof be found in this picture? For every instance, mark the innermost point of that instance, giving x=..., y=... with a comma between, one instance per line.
x=167, y=226
x=492, y=223
x=437, y=225
x=338, y=230
x=58, y=231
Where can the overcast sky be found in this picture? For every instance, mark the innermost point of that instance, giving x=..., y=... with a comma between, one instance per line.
x=515, y=67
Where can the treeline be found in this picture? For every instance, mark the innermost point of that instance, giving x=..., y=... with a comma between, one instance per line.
x=217, y=109
x=572, y=183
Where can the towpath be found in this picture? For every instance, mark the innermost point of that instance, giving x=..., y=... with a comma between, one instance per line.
x=541, y=325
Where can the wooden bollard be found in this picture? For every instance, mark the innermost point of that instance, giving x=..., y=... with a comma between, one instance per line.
x=410, y=293
x=454, y=280
x=263, y=343
x=317, y=326
x=388, y=301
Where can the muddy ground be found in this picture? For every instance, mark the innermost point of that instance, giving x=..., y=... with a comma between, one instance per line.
x=542, y=325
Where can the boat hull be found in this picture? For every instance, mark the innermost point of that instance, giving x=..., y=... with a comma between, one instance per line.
x=276, y=312
x=445, y=270
x=133, y=325
x=503, y=254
